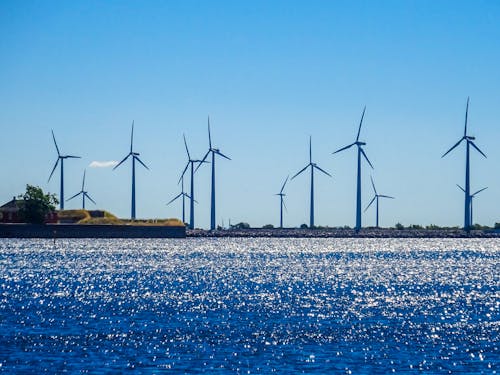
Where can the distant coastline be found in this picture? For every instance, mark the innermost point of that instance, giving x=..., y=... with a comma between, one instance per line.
x=159, y=231
x=343, y=233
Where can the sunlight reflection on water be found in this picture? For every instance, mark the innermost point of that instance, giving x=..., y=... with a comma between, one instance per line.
x=250, y=305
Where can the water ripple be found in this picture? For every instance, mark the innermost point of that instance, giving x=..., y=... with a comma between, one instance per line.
x=250, y=305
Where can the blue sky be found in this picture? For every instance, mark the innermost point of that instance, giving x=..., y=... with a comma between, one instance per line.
x=269, y=74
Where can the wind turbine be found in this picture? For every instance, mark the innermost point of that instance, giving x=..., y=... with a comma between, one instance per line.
x=360, y=145
x=282, y=202
x=313, y=166
x=469, y=141
x=213, y=151
x=61, y=158
x=375, y=198
x=83, y=193
x=190, y=162
x=184, y=195
x=471, y=201
x=135, y=156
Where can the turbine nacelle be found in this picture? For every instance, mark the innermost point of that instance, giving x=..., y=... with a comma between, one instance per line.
x=469, y=139
x=211, y=149
x=135, y=157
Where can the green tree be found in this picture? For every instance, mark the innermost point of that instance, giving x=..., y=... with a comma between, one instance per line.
x=415, y=226
x=242, y=226
x=35, y=205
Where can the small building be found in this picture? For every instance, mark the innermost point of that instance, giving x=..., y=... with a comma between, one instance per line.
x=9, y=213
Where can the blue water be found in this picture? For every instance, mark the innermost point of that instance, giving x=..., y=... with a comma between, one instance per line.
x=250, y=306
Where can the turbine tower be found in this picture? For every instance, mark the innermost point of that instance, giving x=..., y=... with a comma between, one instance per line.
x=61, y=158
x=83, y=193
x=282, y=201
x=184, y=195
x=360, y=145
x=190, y=162
x=375, y=198
x=469, y=142
x=472, y=202
x=135, y=156
x=213, y=151
x=312, y=166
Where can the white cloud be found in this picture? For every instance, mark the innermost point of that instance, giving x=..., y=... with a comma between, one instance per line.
x=103, y=164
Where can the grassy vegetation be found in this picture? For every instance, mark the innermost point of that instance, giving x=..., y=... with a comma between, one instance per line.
x=73, y=215
x=102, y=221
x=107, y=218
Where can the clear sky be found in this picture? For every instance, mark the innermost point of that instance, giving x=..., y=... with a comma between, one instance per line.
x=269, y=74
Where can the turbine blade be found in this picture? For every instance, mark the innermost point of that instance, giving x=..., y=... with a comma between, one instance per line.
x=360, y=123
x=466, y=114
x=477, y=192
x=72, y=157
x=53, y=169
x=120, y=163
x=185, y=144
x=373, y=185
x=173, y=199
x=302, y=170
x=209, y=136
x=477, y=148
x=344, y=148
x=283, y=187
x=455, y=145
x=386, y=196
x=184, y=171
x=132, y=137
x=88, y=196
x=366, y=157
x=74, y=196
x=321, y=170
x=57, y=148
x=140, y=161
x=284, y=205
x=202, y=160
x=188, y=196
x=310, y=150
x=199, y=164
x=369, y=204
x=461, y=188
x=221, y=154
x=83, y=182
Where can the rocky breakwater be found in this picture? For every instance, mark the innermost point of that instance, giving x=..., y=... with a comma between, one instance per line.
x=343, y=233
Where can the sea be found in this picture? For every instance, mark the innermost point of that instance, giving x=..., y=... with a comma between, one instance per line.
x=250, y=305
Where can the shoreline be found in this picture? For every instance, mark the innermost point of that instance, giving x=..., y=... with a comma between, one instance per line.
x=340, y=233
x=90, y=231
x=155, y=231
